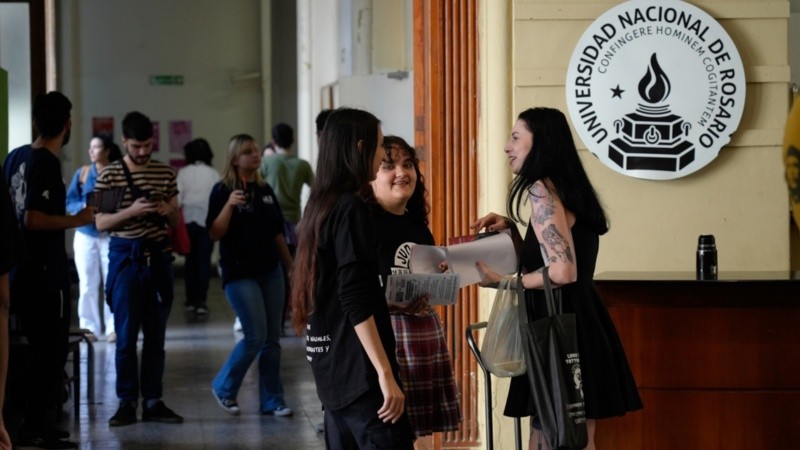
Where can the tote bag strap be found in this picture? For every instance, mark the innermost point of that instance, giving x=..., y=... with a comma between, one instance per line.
x=553, y=298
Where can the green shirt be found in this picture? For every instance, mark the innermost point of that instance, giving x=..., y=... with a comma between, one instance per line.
x=286, y=174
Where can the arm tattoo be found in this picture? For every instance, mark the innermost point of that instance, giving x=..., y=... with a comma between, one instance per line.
x=544, y=207
x=557, y=243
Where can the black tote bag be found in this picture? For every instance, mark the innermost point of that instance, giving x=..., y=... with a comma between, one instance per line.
x=551, y=354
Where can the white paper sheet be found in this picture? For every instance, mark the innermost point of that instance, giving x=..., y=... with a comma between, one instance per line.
x=495, y=251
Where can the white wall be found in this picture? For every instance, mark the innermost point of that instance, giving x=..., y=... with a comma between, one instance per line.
x=317, y=46
x=351, y=46
x=391, y=100
x=108, y=49
x=15, y=59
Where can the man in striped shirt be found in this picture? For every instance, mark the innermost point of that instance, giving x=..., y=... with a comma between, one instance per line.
x=139, y=284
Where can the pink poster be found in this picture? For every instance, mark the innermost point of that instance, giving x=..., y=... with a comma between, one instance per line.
x=156, y=136
x=180, y=133
x=103, y=125
x=177, y=163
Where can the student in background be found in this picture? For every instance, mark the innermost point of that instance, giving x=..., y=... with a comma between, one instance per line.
x=39, y=286
x=9, y=256
x=140, y=282
x=287, y=174
x=244, y=215
x=195, y=182
x=90, y=246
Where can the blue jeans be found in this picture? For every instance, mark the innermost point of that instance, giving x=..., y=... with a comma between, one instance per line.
x=198, y=265
x=258, y=302
x=140, y=290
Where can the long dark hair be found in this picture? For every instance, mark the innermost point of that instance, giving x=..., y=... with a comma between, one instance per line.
x=114, y=152
x=417, y=205
x=347, y=148
x=198, y=150
x=554, y=158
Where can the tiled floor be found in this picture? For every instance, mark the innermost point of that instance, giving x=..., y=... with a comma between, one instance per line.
x=195, y=351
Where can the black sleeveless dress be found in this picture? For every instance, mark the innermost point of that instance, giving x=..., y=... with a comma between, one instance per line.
x=608, y=385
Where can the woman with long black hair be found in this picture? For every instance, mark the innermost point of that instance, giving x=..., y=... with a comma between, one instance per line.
x=337, y=298
x=566, y=222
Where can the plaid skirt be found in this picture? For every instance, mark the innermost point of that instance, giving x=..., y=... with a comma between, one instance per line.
x=426, y=373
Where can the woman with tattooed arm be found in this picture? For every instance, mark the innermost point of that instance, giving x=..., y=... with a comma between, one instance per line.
x=565, y=224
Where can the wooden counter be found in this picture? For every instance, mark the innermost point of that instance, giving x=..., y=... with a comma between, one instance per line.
x=717, y=362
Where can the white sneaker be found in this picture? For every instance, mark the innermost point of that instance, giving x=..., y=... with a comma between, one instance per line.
x=237, y=325
x=280, y=411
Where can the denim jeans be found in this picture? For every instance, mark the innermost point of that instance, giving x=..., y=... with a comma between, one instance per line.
x=141, y=298
x=198, y=265
x=258, y=302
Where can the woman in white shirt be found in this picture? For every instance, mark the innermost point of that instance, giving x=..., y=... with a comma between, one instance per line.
x=195, y=181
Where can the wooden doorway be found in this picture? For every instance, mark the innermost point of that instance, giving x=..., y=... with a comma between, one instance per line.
x=446, y=122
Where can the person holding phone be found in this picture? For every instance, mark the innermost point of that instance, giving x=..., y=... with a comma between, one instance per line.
x=244, y=216
x=139, y=285
x=90, y=246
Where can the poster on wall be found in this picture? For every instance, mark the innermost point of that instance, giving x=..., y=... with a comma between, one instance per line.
x=156, y=136
x=103, y=125
x=177, y=163
x=655, y=88
x=180, y=133
x=791, y=157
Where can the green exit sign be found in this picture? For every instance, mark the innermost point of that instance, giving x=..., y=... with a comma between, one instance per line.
x=166, y=80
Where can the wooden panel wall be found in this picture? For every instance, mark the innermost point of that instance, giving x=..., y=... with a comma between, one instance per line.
x=716, y=365
x=445, y=104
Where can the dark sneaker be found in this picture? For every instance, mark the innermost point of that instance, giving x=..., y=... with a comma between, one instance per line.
x=45, y=430
x=227, y=404
x=43, y=442
x=160, y=413
x=126, y=415
x=54, y=433
x=280, y=411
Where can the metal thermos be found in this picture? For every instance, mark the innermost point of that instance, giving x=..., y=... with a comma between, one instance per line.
x=706, y=257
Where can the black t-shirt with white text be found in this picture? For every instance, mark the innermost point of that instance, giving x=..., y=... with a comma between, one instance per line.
x=348, y=292
x=396, y=237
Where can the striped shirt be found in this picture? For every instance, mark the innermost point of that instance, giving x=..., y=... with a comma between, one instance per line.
x=158, y=178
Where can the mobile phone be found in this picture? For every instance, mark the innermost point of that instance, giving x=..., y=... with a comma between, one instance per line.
x=156, y=196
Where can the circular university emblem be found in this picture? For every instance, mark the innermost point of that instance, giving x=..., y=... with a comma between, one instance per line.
x=655, y=88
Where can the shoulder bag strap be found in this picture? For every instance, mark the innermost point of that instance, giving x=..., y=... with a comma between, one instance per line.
x=84, y=174
x=136, y=192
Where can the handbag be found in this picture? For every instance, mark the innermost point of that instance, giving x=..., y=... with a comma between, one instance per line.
x=554, y=372
x=179, y=236
x=501, y=349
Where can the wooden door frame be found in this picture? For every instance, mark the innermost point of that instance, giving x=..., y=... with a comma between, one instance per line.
x=445, y=135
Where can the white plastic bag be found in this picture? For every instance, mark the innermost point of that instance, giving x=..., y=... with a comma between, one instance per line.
x=501, y=350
